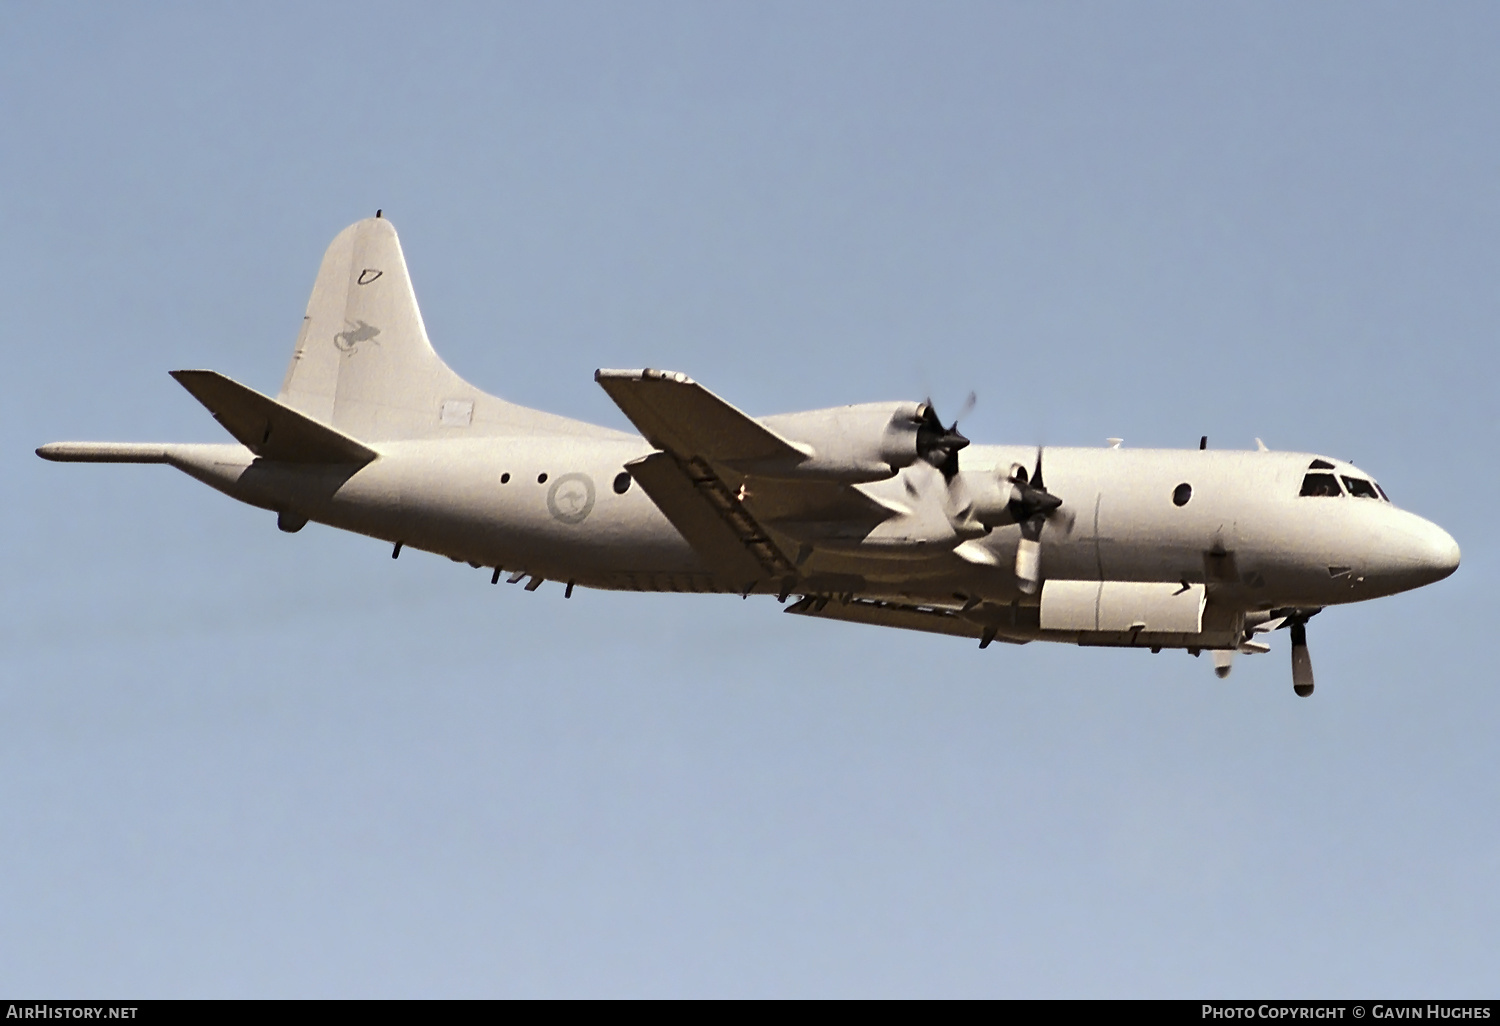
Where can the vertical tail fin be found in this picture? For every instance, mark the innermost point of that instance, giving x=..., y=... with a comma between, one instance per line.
x=363, y=364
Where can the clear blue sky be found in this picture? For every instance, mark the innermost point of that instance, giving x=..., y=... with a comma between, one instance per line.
x=237, y=762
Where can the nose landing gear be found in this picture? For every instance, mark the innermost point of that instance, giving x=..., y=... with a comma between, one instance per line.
x=1302, y=671
x=1275, y=619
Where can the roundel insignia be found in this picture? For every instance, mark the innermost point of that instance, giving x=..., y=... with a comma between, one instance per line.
x=571, y=498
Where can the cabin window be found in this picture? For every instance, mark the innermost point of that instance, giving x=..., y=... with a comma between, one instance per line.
x=1321, y=485
x=1360, y=488
x=622, y=483
x=1181, y=494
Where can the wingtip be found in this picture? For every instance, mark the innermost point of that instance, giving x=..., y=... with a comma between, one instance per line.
x=644, y=374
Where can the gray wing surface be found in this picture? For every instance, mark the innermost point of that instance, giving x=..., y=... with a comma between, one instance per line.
x=705, y=478
x=266, y=427
x=680, y=416
x=692, y=479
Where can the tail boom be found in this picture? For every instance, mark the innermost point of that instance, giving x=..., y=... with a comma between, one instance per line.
x=105, y=452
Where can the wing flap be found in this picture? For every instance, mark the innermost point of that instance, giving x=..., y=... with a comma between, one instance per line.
x=929, y=619
x=711, y=518
x=268, y=428
x=734, y=547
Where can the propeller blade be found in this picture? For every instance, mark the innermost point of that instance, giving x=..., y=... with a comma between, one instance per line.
x=967, y=408
x=1033, y=507
x=1028, y=563
x=1065, y=519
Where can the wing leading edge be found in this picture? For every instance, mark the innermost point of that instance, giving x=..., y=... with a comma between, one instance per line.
x=268, y=428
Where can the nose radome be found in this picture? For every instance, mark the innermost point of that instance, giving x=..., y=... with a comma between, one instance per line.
x=1404, y=551
x=1438, y=551
x=1446, y=550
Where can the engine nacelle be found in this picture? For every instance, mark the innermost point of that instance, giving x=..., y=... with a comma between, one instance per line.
x=868, y=442
x=985, y=498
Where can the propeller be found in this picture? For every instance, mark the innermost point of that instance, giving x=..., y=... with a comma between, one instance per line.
x=939, y=445
x=1031, y=506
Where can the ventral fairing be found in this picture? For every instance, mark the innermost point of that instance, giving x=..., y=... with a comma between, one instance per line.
x=875, y=513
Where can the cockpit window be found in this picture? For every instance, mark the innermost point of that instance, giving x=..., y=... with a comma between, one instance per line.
x=1381, y=490
x=1320, y=465
x=1321, y=485
x=1360, y=488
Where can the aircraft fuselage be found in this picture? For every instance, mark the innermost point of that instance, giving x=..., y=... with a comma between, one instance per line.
x=551, y=508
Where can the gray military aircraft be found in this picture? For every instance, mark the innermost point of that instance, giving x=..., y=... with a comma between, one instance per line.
x=875, y=513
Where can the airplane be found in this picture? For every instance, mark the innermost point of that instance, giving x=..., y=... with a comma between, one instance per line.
x=874, y=513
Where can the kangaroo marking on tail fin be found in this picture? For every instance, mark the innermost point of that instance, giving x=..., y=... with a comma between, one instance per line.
x=348, y=341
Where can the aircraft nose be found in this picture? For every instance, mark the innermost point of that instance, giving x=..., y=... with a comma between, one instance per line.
x=1431, y=553
x=1408, y=552
x=1439, y=552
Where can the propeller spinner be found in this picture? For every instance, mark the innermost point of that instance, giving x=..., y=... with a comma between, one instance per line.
x=939, y=445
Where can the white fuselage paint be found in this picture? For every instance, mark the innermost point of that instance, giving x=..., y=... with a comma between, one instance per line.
x=1245, y=533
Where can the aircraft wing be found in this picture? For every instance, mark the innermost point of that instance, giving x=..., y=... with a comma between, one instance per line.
x=705, y=478
x=695, y=429
x=680, y=416
x=711, y=517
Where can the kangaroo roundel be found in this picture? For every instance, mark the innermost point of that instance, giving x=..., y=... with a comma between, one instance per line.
x=571, y=498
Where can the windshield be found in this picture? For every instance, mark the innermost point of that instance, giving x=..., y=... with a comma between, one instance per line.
x=1321, y=485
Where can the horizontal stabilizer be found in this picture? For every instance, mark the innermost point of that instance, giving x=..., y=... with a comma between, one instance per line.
x=680, y=416
x=266, y=427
